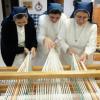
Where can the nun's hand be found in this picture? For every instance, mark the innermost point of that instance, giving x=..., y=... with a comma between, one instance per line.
x=83, y=57
x=33, y=51
x=71, y=51
x=48, y=43
x=26, y=50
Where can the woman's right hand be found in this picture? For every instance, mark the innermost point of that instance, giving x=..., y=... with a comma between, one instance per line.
x=48, y=43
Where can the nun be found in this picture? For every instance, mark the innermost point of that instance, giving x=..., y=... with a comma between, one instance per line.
x=80, y=35
x=50, y=25
x=18, y=37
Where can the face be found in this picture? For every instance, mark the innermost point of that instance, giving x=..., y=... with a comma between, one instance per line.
x=81, y=17
x=21, y=22
x=54, y=17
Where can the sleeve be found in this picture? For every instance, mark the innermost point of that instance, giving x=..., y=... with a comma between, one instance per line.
x=62, y=38
x=62, y=43
x=32, y=38
x=4, y=32
x=19, y=50
x=41, y=30
x=7, y=52
x=91, y=45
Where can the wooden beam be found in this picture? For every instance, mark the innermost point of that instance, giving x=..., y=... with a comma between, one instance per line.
x=96, y=57
x=39, y=74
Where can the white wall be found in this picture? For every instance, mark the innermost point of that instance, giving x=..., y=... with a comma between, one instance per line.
x=68, y=7
x=1, y=15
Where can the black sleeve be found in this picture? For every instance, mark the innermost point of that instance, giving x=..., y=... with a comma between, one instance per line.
x=19, y=50
x=7, y=51
x=31, y=40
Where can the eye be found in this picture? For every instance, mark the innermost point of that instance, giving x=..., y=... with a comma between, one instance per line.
x=81, y=17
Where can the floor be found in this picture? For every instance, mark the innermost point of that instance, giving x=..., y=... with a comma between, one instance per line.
x=1, y=60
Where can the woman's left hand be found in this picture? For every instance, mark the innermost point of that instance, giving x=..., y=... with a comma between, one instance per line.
x=33, y=51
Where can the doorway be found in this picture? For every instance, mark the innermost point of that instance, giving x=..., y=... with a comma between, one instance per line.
x=7, y=6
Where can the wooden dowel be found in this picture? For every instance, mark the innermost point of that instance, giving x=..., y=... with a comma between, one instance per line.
x=91, y=90
x=17, y=88
x=39, y=68
x=39, y=74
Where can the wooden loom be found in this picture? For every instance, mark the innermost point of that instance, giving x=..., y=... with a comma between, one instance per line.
x=92, y=72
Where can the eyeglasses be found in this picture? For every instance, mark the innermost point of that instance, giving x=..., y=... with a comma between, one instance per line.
x=82, y=17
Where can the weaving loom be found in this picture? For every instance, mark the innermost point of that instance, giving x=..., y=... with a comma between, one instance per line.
x=70, y=89
x=80, y=84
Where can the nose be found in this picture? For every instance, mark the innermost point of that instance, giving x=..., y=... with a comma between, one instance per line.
x=81, y=20
x=54, y=19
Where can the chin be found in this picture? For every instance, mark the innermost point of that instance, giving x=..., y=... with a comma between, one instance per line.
x=54, y=22
x=80, y=24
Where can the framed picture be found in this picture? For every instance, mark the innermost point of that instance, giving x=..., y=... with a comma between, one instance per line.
x=28, y=4
x=34, y=6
